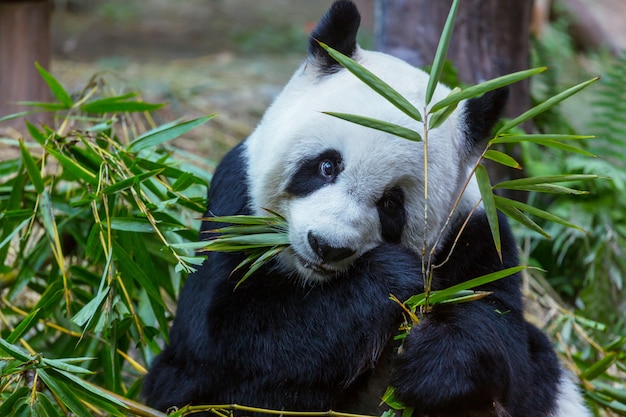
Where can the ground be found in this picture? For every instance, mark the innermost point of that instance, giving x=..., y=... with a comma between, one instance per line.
x=200, y=56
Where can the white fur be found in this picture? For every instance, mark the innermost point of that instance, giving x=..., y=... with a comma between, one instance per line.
x=294, y=128
x=569, y=401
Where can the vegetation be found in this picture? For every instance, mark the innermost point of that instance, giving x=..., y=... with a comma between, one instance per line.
x=99, y=219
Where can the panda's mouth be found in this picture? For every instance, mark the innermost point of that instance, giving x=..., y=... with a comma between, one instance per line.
x=315, y=270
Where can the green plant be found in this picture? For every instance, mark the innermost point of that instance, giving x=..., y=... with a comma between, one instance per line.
x=93, y=217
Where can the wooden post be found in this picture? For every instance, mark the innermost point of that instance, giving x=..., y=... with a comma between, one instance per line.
x=24, y=39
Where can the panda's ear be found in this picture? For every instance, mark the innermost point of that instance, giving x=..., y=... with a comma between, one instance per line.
x=337, y=29
x=482, y=113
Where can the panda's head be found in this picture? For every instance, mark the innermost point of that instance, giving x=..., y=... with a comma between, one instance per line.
x=343, y=188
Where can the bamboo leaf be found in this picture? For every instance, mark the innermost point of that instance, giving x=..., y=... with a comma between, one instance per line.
x=55, y=87
x=375, y=83
x=482, y=88
x=490, y=206
x=536, y=138
x=159, y=135
x=540, y=108
x=139, y=225
x=437, y=297
x=442, y=51
x=65, y=394
x=88, y=388
x=86, y=314
x=107, y=106
x=14, y=351
x=383, y=126
x=74, y=168
x=599, y=367
x=36, y=134
x=465, y=297
x=549, y=179
x=545, y=188
x=521, y=218
x=441, y=115
x=502, y=158
x=31, y=168
x=129, y=182
x=502, y=201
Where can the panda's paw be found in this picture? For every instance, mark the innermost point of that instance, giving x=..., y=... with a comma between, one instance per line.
x=437, y=371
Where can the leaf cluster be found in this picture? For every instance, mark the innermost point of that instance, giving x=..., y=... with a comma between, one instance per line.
x=90, y=215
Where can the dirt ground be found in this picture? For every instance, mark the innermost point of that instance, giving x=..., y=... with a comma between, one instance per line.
x=229, y=57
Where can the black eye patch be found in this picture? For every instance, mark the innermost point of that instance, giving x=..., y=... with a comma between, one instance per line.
x=314, y=173
x=392, y=214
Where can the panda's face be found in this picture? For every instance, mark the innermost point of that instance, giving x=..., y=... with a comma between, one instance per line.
x=345, y=188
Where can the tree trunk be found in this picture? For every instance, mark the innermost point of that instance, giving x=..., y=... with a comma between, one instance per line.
x=24, y=39
x=490, y=38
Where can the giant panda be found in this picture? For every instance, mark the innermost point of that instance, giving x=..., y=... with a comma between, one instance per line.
x=315, y=329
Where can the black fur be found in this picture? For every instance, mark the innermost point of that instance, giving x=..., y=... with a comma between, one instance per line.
x=308, y=177
x=230, y=176
x=337, y=29
x=482, y=113
x=465, y=357
x=392, y=214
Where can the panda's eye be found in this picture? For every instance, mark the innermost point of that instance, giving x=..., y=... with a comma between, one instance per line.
x=327, y=168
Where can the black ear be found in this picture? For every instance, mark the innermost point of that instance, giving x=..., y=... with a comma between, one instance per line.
x=482, y=113
x=337, y=29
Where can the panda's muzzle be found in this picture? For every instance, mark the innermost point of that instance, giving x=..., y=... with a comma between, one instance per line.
x=327, y=252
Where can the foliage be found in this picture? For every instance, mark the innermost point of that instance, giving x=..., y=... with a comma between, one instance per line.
x=587, y=266
x=94, y=214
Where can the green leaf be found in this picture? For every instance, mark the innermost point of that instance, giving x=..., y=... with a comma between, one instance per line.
x=159, y=135
x=55, y=87
x=31, y=168
x=86, y=314
x=442, y=114
x=184, y=181
x=599, y=367
x=546, y=184
x=490, y=206
x=139, y=225
x=14, y=351
x=64, y=365
x=437, y=297
x=524, y=220
x=74, y=168
x=65, y=394
x=15, y=231
x=27, y=322
x=129, y=182
x=14, y=116
x=383, y=126
x=540, y=108
x=85, y=386
x=549, y=179
x=36, y=134
x=502, y=201
x=476, y=90
x=442, y=51
x=375, y=83
x=44, y=407
x=536, y=138
x=440, y=296
x=244, y=242
x=502, y=158
x=108, y=106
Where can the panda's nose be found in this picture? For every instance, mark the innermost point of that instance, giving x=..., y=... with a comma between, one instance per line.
x=327, y=252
